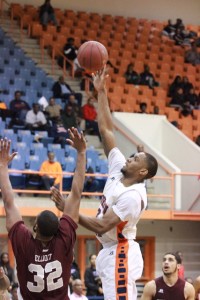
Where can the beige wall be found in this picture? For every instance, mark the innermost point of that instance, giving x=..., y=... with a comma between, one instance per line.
x=189, y=11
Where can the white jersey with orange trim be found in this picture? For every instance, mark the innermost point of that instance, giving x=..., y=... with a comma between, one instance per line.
x=125, y=201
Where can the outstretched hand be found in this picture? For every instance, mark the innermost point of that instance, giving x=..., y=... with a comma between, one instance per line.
x=57, y=198
x=99, y=79
x=5, y=157
x=77, y=140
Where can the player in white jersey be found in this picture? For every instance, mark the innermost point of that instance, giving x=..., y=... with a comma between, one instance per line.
x=120, y=262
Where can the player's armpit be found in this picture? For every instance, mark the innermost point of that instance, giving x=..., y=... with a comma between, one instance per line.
x=100, y=226
x=149, y=291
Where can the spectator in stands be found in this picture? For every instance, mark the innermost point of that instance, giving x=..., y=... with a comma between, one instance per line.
x=91, y=184
x=192, y=56
x=35, y=119
x=4, y=285
x=13, y=292
x=46, y=14
x=58, y=132
x=178, y=98
x=90, y=116
x=132, y=77
x=5, y=264
x=51, y=167
x=169, y=29
x=181, y=37
x=63, y=91
x=19, y=109
x=177, y=83
x=68, y=117
x=53, y=110
x=186, y=85
x=192, y=99
x=70, y=50
x=143, y=108
x=77, y=287
x=147, y=78
x=76, y=107
x=92, y=279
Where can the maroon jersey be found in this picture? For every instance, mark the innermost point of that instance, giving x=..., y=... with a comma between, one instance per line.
x=165, y=292
x=43, y=273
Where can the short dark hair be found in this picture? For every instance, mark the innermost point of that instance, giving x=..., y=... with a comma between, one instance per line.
x=47, y=223
x=177, y=257
x=152, y=166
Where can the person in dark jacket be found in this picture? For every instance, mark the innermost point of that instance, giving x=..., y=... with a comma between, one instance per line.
x=63, y=91
x=92, y=279
x=46, y=14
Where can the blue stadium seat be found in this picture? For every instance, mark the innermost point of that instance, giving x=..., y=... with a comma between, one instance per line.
x=42, y=153
x=17, y=180
x=52, y=147
x=70, y=152
x=47, y=140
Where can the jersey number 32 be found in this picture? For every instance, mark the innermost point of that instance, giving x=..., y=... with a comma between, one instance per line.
x=53, y=280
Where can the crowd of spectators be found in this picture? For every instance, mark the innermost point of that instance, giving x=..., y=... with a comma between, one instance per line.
x=144, y=78
x=183, y=95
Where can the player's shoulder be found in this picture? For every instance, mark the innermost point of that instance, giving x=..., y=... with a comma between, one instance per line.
x=151, y=285
x=189, y=289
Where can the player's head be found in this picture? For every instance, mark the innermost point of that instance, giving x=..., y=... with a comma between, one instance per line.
x=46, y=224
x=170, y=263
x=140, y=166
x=77, y=287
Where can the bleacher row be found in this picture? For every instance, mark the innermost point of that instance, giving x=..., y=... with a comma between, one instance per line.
x=31, y=154
x=128, y=40
x=19, y=72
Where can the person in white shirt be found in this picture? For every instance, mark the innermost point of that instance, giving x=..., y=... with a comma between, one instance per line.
x=77, y=294
x=119, y=264
x=35, y=119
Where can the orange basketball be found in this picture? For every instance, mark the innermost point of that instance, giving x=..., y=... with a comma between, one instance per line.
x=92, y=56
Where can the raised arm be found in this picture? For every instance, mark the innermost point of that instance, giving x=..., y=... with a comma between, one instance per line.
x=71, y=204
x=103, y=115
x=12, y=211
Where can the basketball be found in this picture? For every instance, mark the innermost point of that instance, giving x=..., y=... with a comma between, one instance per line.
x=92, y=56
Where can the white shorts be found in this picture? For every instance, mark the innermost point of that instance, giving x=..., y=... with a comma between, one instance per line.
x=119, y=266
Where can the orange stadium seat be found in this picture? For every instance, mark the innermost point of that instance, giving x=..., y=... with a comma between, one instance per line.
x=36, y=30
x=95, y=17
x=172, y=114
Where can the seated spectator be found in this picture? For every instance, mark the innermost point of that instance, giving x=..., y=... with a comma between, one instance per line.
x=169, y=29
x=76, y=107
x=181, y=38
x=59, y=132
x=147, y=78
x=5, y=264
x=186, y=85
x=53, y=110
x=77, y=287
x=179, y=24
x=70, y=52
x=35, y=119
x=75, y=274
x=63, y=91
x=177, y=83
x=90, y=116
x=92, y=279
x=69, y=118
x=178, y=99
x=91, y=185
x=143, y=108
x=46, y=14
x=192, y=56
x=192, y=99
x=19, y=109
x=51, y=167
x=132, y=77
x=155, y=110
